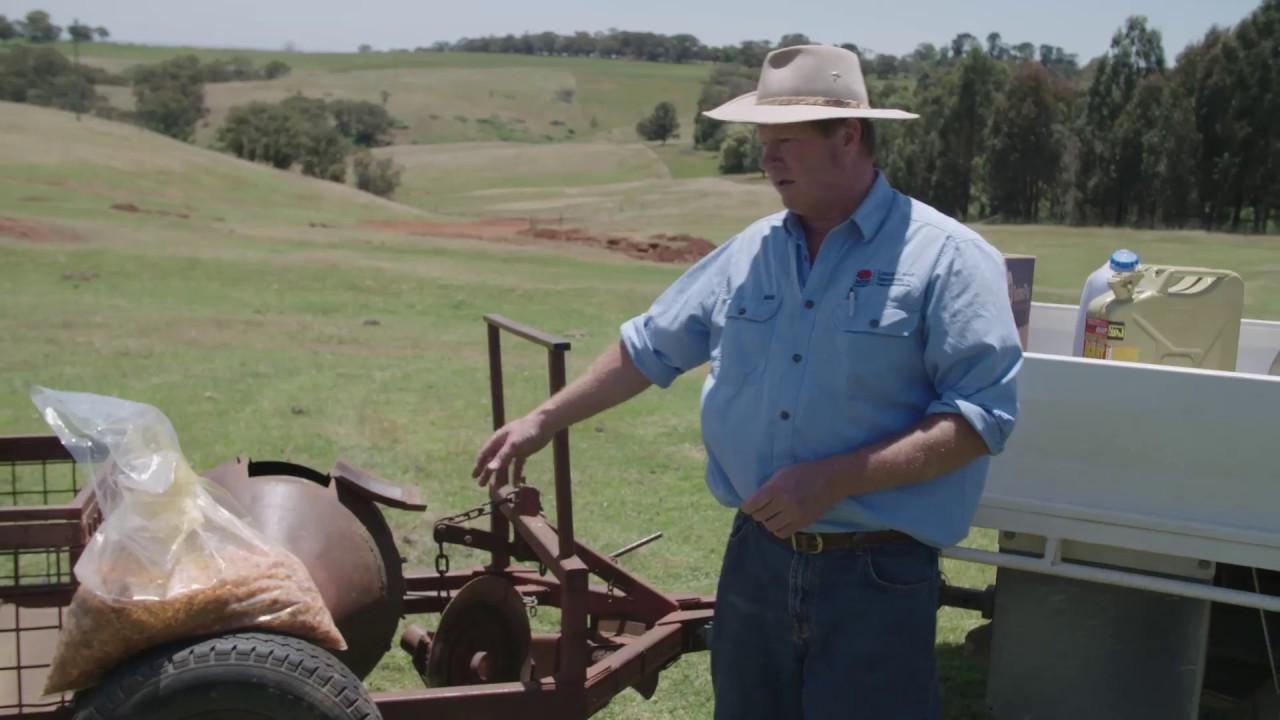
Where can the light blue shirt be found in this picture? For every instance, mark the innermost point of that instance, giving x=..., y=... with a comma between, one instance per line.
x=905, y=313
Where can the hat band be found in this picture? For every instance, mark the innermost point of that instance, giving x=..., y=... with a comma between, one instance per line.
x=820, y=101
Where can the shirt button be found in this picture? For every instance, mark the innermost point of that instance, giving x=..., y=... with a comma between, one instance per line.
x=785, y=415
x=875, y=323
x=796, y=357
x=742, y=311
x=808, y=303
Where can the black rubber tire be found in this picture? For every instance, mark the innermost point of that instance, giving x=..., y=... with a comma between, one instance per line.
x=241, y=676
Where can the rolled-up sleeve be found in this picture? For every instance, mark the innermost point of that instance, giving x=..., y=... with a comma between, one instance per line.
x=674, y=335
x=972, y=348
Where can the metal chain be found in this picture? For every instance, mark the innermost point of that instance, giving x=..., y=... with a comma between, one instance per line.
x=479, y=511
x=442, y=567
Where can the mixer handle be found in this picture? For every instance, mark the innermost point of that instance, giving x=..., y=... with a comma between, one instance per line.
x=365, y=483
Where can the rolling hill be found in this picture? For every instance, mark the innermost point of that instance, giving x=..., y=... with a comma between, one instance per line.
x=451, y=97
x=56, y=165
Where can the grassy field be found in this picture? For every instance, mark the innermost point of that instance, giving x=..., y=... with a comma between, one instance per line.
x=239, y=301
x=451, y=97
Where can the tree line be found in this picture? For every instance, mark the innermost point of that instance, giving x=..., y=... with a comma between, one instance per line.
x=1131, y=139
x=38, y=27
x=685, y=48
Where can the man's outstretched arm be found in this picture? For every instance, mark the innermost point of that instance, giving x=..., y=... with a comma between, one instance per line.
x=656, y=347
x=610, y=381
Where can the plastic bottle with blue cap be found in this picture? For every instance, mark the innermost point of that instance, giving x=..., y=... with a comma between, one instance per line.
x=1095, y=285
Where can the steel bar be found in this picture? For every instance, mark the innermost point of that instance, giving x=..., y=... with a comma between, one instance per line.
x=473, y=538
x=422, y=597
x=37, y=536
x=498, y=524
x=38, y=596
x=635, y=546
x=523, y=700
x=1121, y=578
x=643, y=657
x=33, y=448
x=542, y=540
x=420, y=581
x=693, y=624
x=560, y=455
x=654, y=604
x=693, y=602
x=40, y=513
x=546, y=340
x=572, y=672
x=540, y=535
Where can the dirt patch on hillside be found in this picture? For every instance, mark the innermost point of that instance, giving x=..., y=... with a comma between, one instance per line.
x=36, y=231
x=657, y=248
x=131, y=208
x=662, y=248
x=495, y=229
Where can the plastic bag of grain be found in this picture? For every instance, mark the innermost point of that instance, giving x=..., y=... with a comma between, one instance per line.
x=174, y=557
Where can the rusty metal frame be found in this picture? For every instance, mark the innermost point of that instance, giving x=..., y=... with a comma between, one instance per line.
x=615, y=634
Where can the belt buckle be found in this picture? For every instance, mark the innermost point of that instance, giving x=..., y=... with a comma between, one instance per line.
x=795, y=545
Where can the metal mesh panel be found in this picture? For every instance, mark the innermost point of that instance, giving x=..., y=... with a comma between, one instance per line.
x=28, y=637
x=34, y=483
x=36, y=580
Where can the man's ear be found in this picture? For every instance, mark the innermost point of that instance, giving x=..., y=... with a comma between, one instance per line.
x=851, y=134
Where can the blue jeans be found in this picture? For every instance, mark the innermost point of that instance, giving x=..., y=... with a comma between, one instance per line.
x=845, y=634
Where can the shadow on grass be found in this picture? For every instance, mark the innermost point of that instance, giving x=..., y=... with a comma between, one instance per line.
x=964, y=684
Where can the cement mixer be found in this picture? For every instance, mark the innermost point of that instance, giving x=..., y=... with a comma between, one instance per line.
x=334, y=526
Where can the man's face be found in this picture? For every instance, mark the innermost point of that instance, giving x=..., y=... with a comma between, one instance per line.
x=809, y=170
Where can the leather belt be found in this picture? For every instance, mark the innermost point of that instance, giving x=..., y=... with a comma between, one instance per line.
x=813, y=543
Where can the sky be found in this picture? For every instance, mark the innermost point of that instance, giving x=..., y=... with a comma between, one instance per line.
x=1083, y=27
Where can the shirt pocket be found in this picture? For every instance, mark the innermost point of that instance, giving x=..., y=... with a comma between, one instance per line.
x=886, y=320
x=880, y=349
x=747, y=336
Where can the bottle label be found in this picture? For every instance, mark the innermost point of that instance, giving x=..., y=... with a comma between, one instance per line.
x=1100, y=337
x=1095, y=338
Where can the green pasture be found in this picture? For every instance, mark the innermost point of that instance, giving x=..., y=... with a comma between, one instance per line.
x=265, y=318
x=450, y=97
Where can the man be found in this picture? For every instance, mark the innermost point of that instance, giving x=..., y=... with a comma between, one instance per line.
x=863, y=358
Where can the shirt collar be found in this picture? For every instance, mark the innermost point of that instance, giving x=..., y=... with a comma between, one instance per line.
x=868, y=218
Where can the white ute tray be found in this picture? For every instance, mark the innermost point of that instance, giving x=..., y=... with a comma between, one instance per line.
x=1173, y=461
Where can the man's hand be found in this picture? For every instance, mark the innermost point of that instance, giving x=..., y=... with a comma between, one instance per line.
x=794, y=497
x=798, y=495
x=611, y=380
x=514, y=441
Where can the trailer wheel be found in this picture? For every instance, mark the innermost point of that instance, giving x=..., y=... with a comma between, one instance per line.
x=245, y=676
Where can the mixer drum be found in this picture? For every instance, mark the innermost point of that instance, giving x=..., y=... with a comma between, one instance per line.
x=342, y=538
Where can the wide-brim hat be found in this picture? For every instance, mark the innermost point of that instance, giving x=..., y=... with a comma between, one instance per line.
x=803, y=83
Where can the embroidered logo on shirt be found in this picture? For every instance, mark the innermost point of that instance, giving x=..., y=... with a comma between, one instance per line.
x=888, y=278
x=882, y=278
